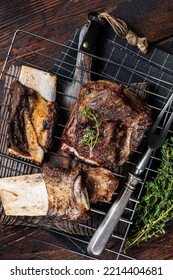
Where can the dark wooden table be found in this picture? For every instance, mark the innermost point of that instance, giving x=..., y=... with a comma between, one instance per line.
x=57, y=20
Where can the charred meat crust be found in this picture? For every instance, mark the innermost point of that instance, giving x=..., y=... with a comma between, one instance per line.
x=124, y=121
x=18, y=104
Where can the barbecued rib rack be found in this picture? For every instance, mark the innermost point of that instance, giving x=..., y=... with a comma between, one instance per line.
x=127, y=67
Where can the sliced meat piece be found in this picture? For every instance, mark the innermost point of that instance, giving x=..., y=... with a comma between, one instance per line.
x=31, y=123
x=123, y=120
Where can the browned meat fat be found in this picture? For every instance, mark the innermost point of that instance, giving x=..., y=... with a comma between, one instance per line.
x=123, y=119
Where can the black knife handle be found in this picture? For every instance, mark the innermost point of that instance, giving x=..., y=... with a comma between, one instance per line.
x=89, y=42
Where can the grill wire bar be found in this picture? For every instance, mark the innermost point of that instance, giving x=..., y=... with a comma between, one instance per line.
x=61, y=59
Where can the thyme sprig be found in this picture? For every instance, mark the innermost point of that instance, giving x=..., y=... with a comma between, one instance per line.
x=91, y=138
x=156, y=207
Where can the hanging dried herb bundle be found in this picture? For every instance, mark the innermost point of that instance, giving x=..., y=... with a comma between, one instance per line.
x=156, y=207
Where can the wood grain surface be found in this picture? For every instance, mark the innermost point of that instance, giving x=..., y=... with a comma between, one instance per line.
x=57, y=20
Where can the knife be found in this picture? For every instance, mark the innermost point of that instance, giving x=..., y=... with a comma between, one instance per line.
x=86, y=48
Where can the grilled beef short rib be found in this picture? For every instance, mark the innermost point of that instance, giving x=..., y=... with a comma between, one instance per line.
x=124, y=121
x=31, y=122
x=72, y=191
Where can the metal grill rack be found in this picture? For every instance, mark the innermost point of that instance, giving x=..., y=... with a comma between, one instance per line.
x=115, y=61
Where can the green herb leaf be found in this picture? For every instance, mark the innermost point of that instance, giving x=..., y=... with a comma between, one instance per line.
x=156, y=207
x=91, y=138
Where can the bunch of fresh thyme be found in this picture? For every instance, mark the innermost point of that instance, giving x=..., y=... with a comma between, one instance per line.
x=156, y=207
x=91, y=138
